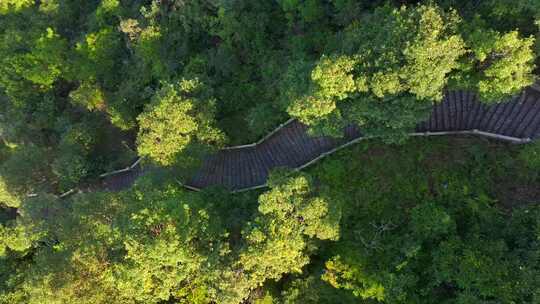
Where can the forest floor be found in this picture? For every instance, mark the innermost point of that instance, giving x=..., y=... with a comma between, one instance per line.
x=425, y=167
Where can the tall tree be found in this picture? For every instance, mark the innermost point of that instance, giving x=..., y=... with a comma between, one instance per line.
x=180, y=115
x=280, y=238
x=410, y=57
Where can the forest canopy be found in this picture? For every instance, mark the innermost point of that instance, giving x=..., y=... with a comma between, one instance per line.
x=89, y=86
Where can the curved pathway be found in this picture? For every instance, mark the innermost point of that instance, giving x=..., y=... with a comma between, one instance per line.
x=247, y=167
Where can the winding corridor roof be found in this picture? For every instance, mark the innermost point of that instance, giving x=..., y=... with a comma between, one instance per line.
x=247, y=167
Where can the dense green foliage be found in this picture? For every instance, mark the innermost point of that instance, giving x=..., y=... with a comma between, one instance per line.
x=427, y=229
x=87, y=86
x=417, y=223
